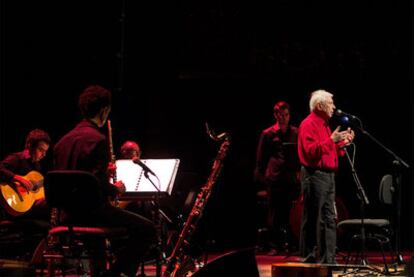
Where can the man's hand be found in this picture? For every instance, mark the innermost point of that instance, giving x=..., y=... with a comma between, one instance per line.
x=23, y=183
x=337, y=135
x=346, y=136
x=120, y=186
x=349, y=136
x=111, y=169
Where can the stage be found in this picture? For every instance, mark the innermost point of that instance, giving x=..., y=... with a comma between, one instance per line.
x=290, y=266
x=232, y=263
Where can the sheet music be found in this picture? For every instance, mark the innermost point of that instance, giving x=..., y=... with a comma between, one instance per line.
x=133, y=175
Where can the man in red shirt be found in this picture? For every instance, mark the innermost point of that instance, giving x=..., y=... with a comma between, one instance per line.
x=318, y=150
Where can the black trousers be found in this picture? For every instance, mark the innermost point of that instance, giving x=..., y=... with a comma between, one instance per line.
x=280, y=198
x=318, y=227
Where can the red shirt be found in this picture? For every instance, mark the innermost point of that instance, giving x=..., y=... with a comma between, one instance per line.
x=316, y=149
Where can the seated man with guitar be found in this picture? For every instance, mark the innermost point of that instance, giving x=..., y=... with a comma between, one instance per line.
x=21, y=175
x=21, y=185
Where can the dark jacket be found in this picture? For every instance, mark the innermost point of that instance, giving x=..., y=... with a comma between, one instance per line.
x=85, y=148
x=277, y=157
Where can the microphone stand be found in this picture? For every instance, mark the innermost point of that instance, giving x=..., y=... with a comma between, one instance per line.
x=397, y=176
x=363, y=199
x=363, y=203
x=157, y=219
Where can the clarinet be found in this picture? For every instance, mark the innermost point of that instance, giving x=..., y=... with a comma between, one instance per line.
x=115, y=201
x=180, y=264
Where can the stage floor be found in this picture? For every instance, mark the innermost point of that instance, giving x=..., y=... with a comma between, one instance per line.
x=279, y=263
x=375, y=265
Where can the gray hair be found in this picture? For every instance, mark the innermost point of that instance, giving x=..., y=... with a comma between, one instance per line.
x=318, y=96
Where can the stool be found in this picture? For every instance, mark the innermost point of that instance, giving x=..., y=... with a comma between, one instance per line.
x=85, y=250
x=69, y=242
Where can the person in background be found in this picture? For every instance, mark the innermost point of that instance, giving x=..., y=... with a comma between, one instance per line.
x=130, y=150
x=319, y=149
x=86, y=148
x=277, y=167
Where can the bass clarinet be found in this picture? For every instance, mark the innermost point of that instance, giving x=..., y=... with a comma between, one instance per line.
x=179, y=263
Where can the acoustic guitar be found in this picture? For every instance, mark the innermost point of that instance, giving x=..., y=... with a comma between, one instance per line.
x=16, y=199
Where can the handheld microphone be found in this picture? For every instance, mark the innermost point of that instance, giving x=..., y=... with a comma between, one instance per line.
x=144, y=166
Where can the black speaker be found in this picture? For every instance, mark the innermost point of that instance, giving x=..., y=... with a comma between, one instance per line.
x=409, y=267
x=238, y=263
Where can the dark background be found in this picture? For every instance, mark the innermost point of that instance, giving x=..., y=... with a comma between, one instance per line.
x=174, y=65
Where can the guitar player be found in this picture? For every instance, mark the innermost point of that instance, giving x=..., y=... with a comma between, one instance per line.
x=21, y=179
x=22, y=174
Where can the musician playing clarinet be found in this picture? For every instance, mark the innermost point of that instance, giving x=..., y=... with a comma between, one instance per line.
x=85, y=147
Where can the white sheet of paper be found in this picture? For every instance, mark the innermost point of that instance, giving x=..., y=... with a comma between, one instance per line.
x=134, y=178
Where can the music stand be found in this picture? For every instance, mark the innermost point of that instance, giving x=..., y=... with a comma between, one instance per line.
x=138, y=187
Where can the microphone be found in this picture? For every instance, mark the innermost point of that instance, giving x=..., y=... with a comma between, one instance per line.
x=144, y=166
x=221, y=136
x=339, y=112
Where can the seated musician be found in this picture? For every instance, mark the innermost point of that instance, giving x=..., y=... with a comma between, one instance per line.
x=130, y=150
x=85, y=147
x=21, y=180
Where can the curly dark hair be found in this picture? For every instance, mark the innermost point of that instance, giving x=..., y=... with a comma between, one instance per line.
x=93, y=99
x=34, y=137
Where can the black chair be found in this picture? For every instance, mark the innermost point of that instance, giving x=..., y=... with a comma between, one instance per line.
x=377, y=230
x=73, y=246
x=20, y=235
